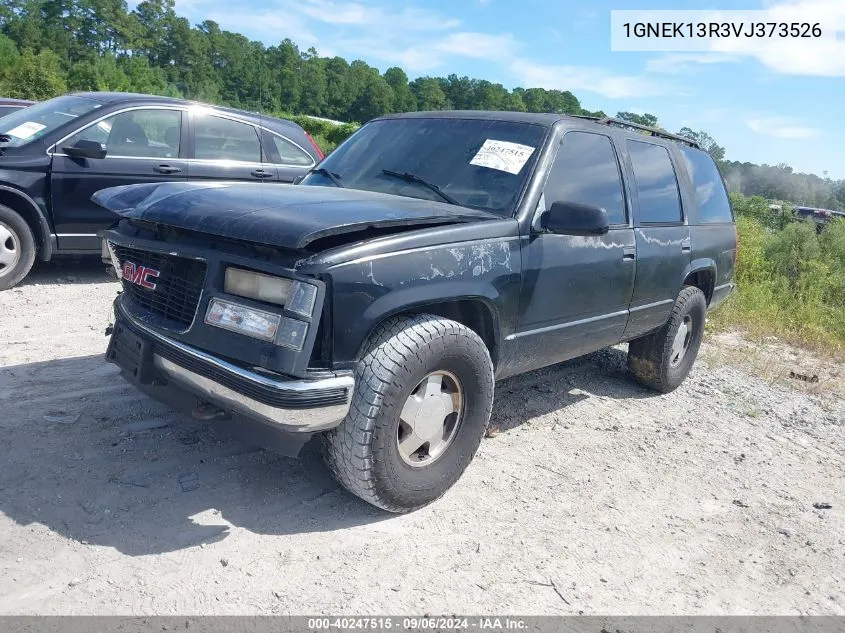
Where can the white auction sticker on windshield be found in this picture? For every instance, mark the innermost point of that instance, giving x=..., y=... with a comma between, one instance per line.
x=502, y=155
x=25, y=130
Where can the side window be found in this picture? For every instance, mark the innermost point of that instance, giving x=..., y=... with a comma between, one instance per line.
x=710, y=195
x=137, y=134
x=217, y=138
x=290, y=154
x=586, y=171
x=657, y=185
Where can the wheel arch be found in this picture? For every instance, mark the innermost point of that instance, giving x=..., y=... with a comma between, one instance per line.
x=28, y=209
x=477, y=313
x=702, y=275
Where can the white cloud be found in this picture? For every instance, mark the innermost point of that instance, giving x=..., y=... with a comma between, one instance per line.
x=428, y=55
x=781, y=127
x=585, y=78
x=478, y=45
x=681, y=63
x=801, y=56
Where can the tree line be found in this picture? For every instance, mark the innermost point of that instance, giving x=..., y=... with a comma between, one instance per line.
x=49, y=47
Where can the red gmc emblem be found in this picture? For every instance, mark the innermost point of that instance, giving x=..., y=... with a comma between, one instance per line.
x=140, y=275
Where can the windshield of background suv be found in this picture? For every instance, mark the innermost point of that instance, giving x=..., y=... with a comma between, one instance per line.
x=39, y=119
x=476, y=163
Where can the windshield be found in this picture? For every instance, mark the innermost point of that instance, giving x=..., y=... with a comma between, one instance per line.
x=475, y=162
x=39, y=119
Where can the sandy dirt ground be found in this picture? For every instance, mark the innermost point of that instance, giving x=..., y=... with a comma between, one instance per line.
x=593, y=496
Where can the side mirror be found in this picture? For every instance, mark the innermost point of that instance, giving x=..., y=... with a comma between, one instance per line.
x=572, y=218
x=85, y=149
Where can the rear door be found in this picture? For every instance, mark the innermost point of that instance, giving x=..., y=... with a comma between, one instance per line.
x=661, y=233
x=225, y=148
x=143, y=144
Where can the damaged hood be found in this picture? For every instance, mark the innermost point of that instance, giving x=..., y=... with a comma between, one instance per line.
x=286, y=216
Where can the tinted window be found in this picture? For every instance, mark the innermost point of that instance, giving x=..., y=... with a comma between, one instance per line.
x=136, y=134
x=710, y=195
x=223, y=139
x=657, y=186
x=479, y=163
x=290, y=154
x=586, y=171
x=28, y=124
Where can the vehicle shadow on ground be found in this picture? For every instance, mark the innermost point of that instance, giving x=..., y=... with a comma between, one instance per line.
x=64, y=269
x=603, y=374
x=91, y=458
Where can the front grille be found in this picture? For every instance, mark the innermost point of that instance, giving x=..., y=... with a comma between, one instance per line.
x=178, y=285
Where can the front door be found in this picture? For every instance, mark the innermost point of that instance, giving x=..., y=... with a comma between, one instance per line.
x=576, y=289
x=662, y=236
x=142, y=145
x=226, y=149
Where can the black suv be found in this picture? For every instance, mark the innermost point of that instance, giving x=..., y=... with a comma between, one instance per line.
x=54, y=155
x=431, y=254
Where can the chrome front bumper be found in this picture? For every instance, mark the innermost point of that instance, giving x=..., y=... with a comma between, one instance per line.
x=289, y=404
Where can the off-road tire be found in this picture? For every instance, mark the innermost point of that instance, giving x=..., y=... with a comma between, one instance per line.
x=362, y=452
x=649, y=357
x=23, y=242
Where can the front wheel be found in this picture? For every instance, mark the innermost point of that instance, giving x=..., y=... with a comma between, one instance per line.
x=662, y=360
x=422, y=401
x=17, y=248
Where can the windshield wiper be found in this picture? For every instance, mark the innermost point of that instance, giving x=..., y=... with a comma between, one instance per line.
x=409, y=177
x=335, y=178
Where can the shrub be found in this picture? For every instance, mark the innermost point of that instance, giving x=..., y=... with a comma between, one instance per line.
x=790, y=278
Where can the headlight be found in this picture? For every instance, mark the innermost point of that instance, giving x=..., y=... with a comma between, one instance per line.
x=244, y=320
x=302, y=297
x=258, y=286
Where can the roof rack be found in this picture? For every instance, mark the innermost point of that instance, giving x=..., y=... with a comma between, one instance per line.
x=636, y=126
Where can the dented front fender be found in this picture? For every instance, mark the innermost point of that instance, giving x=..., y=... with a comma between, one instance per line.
x=367, y=290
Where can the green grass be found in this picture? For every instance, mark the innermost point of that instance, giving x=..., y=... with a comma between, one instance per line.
x=790, y=280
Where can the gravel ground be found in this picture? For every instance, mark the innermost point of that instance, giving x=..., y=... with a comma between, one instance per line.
x=592, y=495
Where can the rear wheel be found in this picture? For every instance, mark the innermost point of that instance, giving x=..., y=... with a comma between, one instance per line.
x=423, y=396
x=17, y=248
x=662, y=360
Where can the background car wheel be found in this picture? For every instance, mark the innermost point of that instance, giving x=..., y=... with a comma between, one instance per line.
x=662, y=360
x=17, y=248
x=423, y=397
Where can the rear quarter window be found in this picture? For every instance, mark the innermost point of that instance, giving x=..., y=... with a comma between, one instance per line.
x=710, y=195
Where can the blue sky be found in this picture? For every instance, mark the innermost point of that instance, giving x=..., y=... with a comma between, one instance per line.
x=765, y=107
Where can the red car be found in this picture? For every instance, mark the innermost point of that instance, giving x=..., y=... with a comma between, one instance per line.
x=7, y=105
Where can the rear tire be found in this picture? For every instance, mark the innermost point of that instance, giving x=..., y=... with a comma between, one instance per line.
x=661, y=360
x=420, y=377
x=17, y=248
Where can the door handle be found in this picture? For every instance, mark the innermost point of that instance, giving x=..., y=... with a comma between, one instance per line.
x=260, y=173
x=686, y=245
x=166, y=169
x=629, y=253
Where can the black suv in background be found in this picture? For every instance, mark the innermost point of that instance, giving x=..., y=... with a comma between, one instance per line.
x=430, y=254
x=7, y=105
x=55, y=154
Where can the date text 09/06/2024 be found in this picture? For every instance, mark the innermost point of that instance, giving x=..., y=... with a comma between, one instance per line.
x=414, y=623
x=763, y=30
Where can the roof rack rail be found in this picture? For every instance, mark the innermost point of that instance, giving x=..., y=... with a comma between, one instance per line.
x=636, y=126
x=654, y=131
